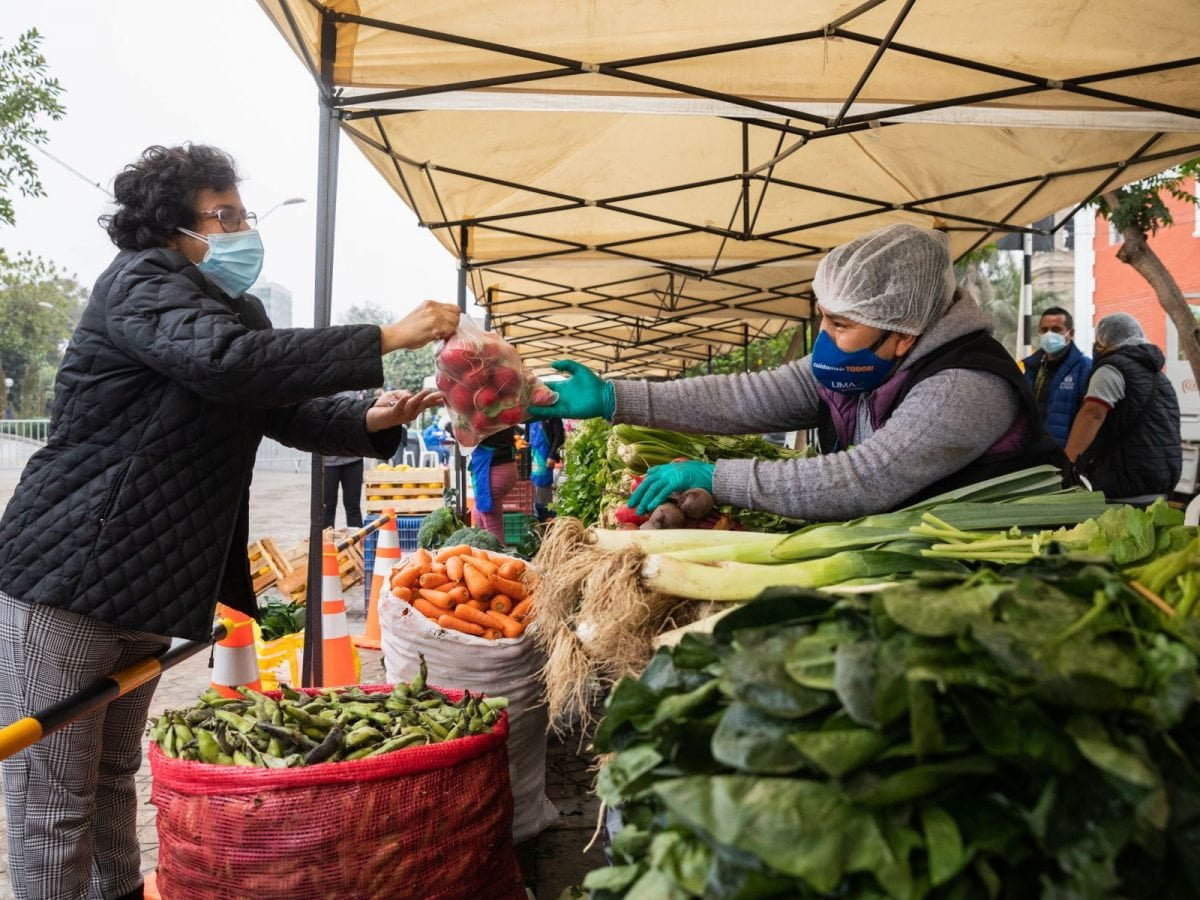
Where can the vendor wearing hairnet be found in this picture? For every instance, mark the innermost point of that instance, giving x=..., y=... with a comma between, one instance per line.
x=1125, y=439
x=909, y=392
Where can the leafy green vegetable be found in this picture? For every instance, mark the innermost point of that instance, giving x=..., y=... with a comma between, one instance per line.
x=1027, y=733
x=474, y=537
x=586, y=471
x=436, y=527
x=277, y=619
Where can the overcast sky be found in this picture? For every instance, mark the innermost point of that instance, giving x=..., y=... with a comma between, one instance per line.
x=142, y=72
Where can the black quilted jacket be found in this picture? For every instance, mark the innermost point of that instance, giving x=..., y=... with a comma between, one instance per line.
x=136, y=511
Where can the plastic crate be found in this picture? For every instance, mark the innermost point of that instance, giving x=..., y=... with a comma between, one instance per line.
x=515, y=527
x=519, y=499
x=408, y=526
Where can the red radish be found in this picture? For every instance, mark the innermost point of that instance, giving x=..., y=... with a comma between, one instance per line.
x=485, y=397
x=481, y=422
x=477, y=377
x=506, y=382
x=514, y=415
x=444, y=382
x=460, y=398
x=455, y=359
x=629, y=516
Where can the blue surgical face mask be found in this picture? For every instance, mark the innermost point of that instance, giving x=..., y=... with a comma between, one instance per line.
x=233, y=261
x=849, y=372
x=1053, y=342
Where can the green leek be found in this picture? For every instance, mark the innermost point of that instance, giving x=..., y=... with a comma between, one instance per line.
x=728, y=581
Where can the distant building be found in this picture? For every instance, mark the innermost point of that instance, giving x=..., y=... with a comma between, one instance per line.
x=278, y=301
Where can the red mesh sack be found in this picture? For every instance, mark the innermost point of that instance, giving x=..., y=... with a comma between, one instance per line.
x=487, y=387
x=422, y=822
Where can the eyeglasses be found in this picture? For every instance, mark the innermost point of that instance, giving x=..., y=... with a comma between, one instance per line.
x=231, y=220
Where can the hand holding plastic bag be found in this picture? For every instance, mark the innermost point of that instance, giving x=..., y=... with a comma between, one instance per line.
x=486, y=385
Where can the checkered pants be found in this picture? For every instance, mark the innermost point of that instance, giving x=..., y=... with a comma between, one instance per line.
x=70, y=798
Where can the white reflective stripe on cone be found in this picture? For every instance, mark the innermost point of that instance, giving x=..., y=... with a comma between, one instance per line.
x=235, y=665
x=331, y=587
x=382, y=565
x=334, y=626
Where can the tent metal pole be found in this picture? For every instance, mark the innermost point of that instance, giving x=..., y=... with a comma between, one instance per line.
x=1025, y=320
x=460, y=461
x=745, y=347
x=327, y=170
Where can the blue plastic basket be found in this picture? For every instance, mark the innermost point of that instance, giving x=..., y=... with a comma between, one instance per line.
x=408, y=526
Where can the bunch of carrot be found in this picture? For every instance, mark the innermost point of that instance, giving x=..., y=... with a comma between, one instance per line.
x=469, y=590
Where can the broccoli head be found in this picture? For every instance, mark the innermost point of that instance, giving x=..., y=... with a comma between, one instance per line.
x=436, y=527
x=474, y=537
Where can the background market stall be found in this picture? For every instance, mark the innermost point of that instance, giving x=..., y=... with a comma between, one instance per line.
x=637, y=185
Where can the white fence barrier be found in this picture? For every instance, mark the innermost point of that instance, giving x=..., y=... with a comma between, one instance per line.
x=20, y=438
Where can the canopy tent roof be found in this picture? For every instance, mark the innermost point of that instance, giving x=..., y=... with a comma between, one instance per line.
x=635, y=182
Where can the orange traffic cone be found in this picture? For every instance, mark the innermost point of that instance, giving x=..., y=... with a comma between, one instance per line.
x=337, y=651
x=387, y=553
x=235, y=662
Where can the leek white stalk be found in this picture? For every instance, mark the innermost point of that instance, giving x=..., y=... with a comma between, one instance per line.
x=670, y=540
x=745, y=581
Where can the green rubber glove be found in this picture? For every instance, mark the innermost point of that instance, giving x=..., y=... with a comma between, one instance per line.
x=582, y=396
x=663, y=481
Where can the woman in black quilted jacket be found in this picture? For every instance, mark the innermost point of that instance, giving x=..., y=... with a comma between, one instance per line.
x=129, y=526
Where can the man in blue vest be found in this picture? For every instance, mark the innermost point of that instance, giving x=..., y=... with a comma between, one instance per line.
x=1058, y=373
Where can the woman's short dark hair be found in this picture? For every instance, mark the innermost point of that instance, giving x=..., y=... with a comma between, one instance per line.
x=157, y=194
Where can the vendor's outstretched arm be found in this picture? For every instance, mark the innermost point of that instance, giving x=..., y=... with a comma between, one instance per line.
x=945, y=422
x=780, y=400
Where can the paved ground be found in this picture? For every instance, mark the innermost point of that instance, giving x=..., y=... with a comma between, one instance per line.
x=279, y=509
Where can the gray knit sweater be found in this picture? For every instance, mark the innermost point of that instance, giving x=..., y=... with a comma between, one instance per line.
x=945, y=422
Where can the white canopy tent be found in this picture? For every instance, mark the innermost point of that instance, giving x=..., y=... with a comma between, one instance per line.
x=639, y=183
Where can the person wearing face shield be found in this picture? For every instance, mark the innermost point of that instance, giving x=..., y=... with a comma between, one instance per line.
x=132, y=522
x=908, y=390
x=1058, y=373
x=1125, y=439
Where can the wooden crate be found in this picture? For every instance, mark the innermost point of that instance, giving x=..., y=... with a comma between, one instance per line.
x=408, y=492
x=295, y=583
x=262, y=569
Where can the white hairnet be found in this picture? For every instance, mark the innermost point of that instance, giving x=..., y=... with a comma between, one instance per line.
x=898, y=278
x=1119, y=330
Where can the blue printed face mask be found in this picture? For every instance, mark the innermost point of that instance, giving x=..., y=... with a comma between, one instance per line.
x=1053, y=342
x=849, y=372
x=233, y=261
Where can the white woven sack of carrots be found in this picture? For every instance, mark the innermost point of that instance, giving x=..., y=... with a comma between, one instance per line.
x=473, y=654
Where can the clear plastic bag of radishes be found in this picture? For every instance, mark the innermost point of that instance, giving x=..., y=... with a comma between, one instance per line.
x=487, y=387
